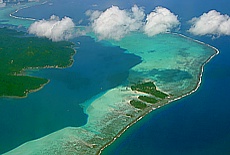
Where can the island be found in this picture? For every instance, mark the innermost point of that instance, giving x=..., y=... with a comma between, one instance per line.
x=166, y=73
x=153, y=97
x=19, y=52
x=171, y=68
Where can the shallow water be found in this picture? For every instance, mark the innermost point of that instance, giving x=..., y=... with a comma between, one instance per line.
x=96, y=69
x=198, y=124
x=183, y=127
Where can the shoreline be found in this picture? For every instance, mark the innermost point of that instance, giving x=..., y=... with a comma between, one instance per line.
x=25, y=7
x=150, y=109
x=38, y=68
x=73, y=47
x=164, y=102
x=167, y=101
x=27, y=93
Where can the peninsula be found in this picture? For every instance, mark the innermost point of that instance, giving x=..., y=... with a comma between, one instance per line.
x=171, y=68
x=19, y=52
x=166, y=73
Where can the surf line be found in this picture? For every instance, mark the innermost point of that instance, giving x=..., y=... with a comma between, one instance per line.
x=170, y=100
x=25, y=7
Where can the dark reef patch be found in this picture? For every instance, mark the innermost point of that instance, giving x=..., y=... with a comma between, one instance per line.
x=171, y=75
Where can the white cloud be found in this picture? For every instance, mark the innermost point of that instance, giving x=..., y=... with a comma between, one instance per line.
x=55, y=29
x=93, y=15
x=115, y=23
x=211, y=23
x=161, y=20
x=2, y=4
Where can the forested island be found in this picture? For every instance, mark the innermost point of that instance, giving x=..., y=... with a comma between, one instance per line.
x=19, y=52
x=153, y=95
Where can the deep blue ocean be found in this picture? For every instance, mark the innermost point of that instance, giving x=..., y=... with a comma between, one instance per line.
x=96, y=69
x=195, y=125
x=198, y=124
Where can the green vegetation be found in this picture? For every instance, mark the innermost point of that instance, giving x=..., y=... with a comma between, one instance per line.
x=149, y=88
x=148, y=99
x=154, y=96
x=138, y=104
x=19, y=52
x=129, y=115
x=16, y=85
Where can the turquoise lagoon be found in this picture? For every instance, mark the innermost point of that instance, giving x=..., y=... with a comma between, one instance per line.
x=58, y=104
x=85, y=107
x=175, y=68
x=197, y=124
